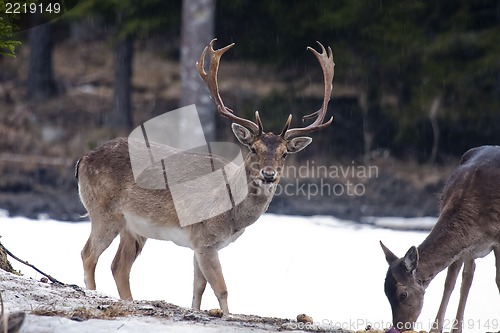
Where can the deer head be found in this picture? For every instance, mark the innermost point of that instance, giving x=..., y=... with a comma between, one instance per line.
x=403, y=290
x=267, y=150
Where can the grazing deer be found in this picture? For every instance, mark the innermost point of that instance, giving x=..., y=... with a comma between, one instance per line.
x=117, y=205
x=468, y=228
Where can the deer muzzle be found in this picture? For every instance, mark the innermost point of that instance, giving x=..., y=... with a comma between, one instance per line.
x=269, y=175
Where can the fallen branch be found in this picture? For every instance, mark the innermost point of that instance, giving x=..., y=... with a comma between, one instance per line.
x=32, y=266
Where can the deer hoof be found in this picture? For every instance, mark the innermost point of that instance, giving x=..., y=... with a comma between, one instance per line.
x=393, y=330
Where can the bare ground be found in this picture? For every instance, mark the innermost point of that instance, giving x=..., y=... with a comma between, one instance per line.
x=55, y=308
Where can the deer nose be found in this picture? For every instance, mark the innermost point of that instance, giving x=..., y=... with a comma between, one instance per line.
x=269, y=175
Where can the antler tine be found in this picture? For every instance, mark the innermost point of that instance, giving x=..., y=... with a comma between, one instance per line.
x=259, y=122
x=210, y=79
x=326, y=61
x=287, y=125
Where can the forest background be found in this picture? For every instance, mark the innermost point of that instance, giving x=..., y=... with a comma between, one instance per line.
x=417, y=83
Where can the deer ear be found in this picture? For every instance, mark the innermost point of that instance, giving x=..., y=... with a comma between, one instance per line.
x=242, y=134
x=297, y=144
x=411, y=260
x=389, y=256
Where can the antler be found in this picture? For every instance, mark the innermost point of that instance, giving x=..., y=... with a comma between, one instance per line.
x=327, y=64
x=211, y=81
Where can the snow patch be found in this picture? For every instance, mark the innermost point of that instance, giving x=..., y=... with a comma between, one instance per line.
x=281, y=266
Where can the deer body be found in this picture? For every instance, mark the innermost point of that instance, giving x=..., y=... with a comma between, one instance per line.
x=468, y=228
x=144, y=210
x=117, y=205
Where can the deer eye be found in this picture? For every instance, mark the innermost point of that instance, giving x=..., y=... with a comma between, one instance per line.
x=252, y=149
x=403, y=295
x=285, y=155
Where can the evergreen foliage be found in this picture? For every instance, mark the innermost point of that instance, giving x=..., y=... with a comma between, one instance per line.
x=7, y=44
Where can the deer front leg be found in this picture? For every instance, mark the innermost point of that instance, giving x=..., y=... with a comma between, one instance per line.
x=449, y=285
x=209, y=264
x=497, y=258
x=467, y=276
x=199, y=285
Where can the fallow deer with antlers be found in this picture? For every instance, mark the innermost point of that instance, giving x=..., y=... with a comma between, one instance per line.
x=117, y=205
x=468, y=228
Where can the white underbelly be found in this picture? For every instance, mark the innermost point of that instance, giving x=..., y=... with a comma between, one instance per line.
x=145, y=228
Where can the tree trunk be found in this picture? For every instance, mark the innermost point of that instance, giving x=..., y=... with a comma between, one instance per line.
x=197, y=31
x=121, y=115
x=371, y=106
x=41, y=83
x=435, y=105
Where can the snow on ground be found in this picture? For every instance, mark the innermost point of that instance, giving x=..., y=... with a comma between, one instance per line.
x=281, y=266
x=42, y=300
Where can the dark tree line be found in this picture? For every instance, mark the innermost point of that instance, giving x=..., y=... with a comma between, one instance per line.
x=425, y=72
x=422, y=68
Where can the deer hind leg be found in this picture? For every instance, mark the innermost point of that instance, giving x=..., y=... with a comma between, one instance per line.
x=467, y=276
x=102, y=234
x=209, y=264
x=449, y=285
x=129, y=249
x=199, y=285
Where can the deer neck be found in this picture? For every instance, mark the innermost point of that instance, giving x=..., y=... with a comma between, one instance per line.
x=444, y=245
x=255, y=202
